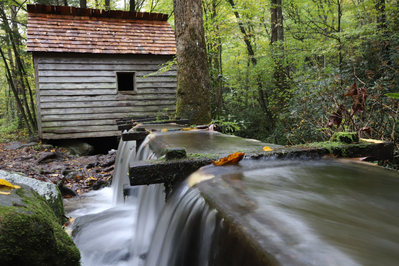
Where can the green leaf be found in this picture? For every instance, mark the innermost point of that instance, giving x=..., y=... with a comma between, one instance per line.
x=393, y=95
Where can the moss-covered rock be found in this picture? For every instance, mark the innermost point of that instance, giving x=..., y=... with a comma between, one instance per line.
x=48, y=191
x=345, y=137
x=175, y=153
x=30, y=234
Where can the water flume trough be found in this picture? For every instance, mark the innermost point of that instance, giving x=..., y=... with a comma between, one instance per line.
x=280, y=207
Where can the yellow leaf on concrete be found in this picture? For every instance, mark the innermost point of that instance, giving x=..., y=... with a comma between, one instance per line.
x=5, y=193
x=188, y=129
x=231, y=159
x=164, y=130
x=267, y=148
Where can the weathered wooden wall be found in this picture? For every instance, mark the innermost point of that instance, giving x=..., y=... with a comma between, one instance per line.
x=77, y=94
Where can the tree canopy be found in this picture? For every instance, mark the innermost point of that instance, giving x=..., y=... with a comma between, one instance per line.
x=278, y=69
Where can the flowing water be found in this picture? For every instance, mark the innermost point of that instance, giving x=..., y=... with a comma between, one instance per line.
x=301, y=212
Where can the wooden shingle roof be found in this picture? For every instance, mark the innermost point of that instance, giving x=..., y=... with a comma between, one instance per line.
x=80, y=30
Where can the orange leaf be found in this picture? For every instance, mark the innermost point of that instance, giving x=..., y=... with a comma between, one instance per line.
x=232, y=158
x=267, y=148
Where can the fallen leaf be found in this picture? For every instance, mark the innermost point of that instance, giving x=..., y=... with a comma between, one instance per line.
x=187, y=129
x=6, y=187
x=232, y=158
x=361, y=158
x=164, y=130
x=5, y=183
x=267, y=148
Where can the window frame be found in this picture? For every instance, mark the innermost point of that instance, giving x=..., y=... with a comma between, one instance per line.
x=134, y=91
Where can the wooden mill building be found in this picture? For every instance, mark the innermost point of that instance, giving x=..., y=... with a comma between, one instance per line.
x=91, y=68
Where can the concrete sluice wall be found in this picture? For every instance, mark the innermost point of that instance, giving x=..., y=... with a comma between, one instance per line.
x=291, y=212
x=260, y=212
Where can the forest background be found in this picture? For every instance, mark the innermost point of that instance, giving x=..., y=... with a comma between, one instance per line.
x=280, y=71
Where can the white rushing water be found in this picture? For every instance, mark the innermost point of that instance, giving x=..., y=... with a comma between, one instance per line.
x=115, y=230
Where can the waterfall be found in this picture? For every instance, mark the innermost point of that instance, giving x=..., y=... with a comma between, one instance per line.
x=140, y=229
x=126, y=151
x=121, y=234
x=184, y=232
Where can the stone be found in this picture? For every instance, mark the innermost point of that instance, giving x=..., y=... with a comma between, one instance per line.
x=43, y=147
x=48, y=191
x=30, y=233
x=66, y=190
x=77, y=147
x=16, y=145
x=71, y=175
x=33, y=139
x=175, y=153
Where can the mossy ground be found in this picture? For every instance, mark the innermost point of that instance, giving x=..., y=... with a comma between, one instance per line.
x=31, y=235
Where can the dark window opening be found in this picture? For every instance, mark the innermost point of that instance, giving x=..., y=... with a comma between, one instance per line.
x=126, y=81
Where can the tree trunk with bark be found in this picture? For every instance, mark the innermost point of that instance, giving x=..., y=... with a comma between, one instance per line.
x=193, y=96
x=132, y=5
x=83, y=3
x=281, y=93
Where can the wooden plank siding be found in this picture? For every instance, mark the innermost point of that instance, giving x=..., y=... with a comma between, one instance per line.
x=77, y=95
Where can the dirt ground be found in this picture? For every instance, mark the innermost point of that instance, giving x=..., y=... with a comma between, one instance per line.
x=74, y=175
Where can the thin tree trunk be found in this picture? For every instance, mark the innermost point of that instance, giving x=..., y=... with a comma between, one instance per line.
x=193, y=95
x=83, y=3
x=216, y=58
x=132, y=5
x=251, y=54
x=17, y=100
x=19, y=67
x=277, y=39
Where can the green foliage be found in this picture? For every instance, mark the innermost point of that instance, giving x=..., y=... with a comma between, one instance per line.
x=228, y=125
x=393, y=95
x=325, y=51
x=12, y=131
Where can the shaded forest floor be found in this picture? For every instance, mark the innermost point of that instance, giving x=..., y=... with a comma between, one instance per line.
x=74, y=175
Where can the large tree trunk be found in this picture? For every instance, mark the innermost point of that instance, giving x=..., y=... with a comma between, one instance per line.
x=193, y=96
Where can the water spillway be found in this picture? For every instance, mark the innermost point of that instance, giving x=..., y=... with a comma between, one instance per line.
x=259, y=212
x=308, y=212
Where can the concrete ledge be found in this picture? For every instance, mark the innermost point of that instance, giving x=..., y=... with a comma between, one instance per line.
x=175, y=171
x=171, y=172
x=374, y=150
